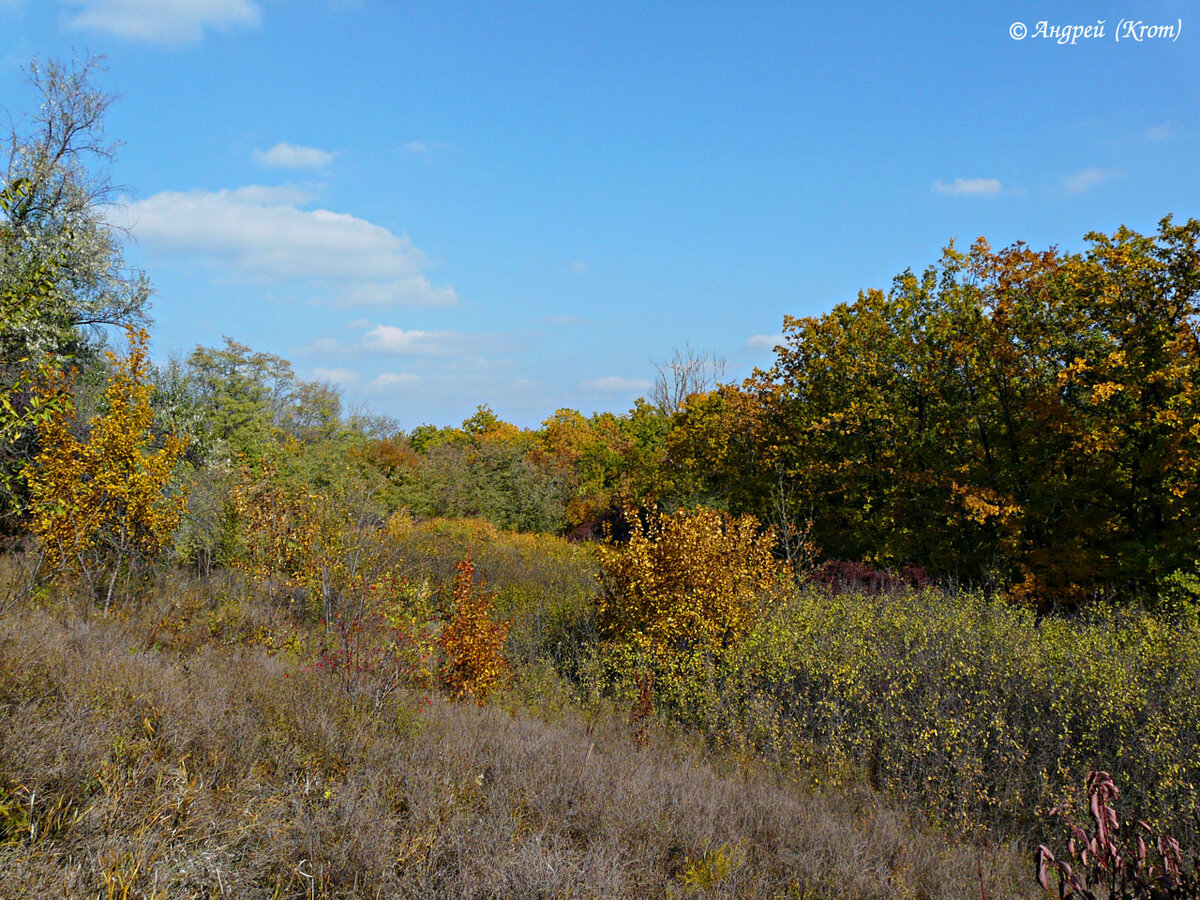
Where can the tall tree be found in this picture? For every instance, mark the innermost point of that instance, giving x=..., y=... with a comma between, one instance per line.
x=62, y=275
x=54, y=221
x=1024, y=414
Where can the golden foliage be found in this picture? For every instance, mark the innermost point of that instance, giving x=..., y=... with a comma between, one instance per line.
x=1028, y=418
x=285, y=538
x=99, y=503
x=694, y=579
x=472, y=644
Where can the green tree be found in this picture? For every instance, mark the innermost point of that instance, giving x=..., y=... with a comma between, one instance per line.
x=1028, y=415
x=53, y=224
x=62, y=275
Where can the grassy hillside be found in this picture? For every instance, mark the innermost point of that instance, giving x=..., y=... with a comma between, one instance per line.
x=189, y=748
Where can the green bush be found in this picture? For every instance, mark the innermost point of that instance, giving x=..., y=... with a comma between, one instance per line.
x=977, y=710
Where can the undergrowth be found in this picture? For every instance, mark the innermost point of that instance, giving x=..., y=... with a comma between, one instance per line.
x=196, y=746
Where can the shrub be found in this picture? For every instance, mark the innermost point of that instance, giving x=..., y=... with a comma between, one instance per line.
x=381, y=644
x=697, y=579
x=472, y=644
x=285, y=541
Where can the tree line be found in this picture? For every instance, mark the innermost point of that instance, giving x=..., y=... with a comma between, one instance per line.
x=1025, y=419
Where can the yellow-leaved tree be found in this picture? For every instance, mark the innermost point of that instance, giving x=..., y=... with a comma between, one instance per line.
x=103, y=505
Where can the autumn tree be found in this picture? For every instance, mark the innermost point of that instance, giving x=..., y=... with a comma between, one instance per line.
x=472, y=642
x=102, y=504
x=1132, y=401
x=1023, y=415
x=62, y=275
x=588, y=452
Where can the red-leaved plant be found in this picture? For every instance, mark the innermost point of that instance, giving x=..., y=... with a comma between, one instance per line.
x=372, y=653
x=1149, y=868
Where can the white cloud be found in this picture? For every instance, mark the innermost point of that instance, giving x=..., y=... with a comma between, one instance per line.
x=390, y=339
x=578, y=267
x=261, y=233
x=335, y=375
x=1163, y=132
x=162, y=21
x=392, y=379
x=325, y=345
x=613, y=384
x=464, y=348
x=293, y=156
x=1082, y=182
x=969, y=187
x=272, y=195
x=763, y=341
x=421, y=148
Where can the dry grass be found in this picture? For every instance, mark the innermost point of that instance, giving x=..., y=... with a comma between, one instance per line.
x=179, y=752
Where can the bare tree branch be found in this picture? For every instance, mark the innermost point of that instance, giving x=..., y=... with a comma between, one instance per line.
x=685, y=374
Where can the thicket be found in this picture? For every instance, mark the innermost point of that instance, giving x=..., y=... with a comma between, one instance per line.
x=972, y=708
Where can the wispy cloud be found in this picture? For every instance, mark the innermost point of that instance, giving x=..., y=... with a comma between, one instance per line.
x=388, y=380
x=335, y=375
x=969, y=187
x=169, y=22
x=459, y=349
x=1082, y=182
x=261, y=233
x=293, y=156
x=615, y=384
x=1163, y=132
x=422, y=148
x=578, y=267
x=763, y=341
x=390, y=339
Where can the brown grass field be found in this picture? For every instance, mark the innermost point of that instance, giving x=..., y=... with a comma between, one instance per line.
x=186, y=747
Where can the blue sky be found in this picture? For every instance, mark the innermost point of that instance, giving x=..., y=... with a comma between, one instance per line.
x=436, y=205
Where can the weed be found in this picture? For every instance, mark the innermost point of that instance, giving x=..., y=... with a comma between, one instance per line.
x=1143, y=865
